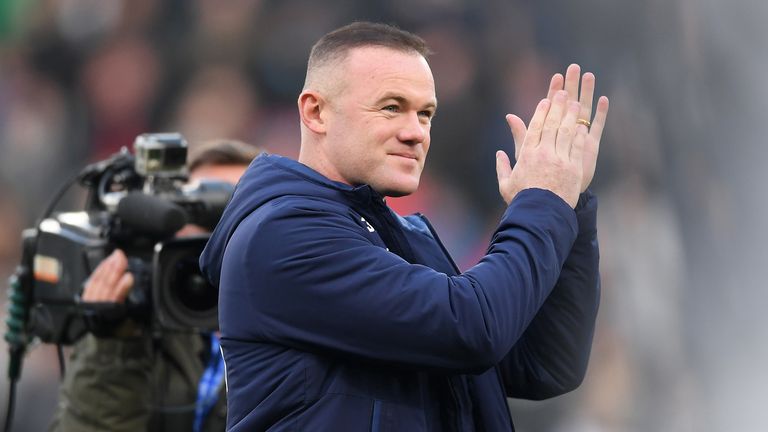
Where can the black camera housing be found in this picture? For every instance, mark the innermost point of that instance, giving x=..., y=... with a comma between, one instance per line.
x=135, y=204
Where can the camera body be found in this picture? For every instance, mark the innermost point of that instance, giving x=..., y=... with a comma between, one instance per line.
x=137, y=204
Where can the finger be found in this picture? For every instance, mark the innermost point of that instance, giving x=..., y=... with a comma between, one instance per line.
x=121, y=289
x=92, y=291
x=567, y=131
x=586, y=96
x=596, y=130
x=95, y=285
x=577, y=149
x=503, y=166
x=503, y=175
x=555, y=84
x=121, y=259
x=535, y=127
x=572, y=75
x=116, y=266
x=517, y=126
x=553, y=120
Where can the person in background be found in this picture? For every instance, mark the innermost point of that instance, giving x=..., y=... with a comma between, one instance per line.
x=338, y=314
x=135, y=381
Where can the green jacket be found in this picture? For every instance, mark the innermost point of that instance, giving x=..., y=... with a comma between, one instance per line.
x=136, y=384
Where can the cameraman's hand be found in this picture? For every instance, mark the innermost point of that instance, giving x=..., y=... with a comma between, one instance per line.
x=551, y=155
x=110, y=282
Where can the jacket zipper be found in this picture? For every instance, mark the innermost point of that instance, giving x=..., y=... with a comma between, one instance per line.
x=456, y=268
x=455, y=398
x=376, y=416
x=451, y=388
x=504, y=393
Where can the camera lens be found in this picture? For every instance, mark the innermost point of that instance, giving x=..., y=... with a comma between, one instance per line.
x=190, y=287
x=183, y=298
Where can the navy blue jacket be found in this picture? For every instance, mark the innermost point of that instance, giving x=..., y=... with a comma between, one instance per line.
x=336, y=314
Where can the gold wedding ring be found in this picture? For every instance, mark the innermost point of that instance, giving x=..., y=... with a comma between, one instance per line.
x=586, y=123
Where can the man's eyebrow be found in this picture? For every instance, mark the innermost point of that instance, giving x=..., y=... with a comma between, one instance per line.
x=402, y=100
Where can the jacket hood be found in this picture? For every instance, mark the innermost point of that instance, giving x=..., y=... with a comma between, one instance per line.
x=267, y=178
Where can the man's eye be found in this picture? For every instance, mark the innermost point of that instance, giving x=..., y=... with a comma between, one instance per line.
x=391, y=108
x=427, y=114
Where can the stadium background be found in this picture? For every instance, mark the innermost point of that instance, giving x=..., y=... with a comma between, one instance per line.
x=680, y=344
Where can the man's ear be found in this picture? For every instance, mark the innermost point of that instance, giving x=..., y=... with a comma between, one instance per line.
x=311, y=106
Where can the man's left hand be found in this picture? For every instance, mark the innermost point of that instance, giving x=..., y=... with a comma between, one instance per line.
x=571, y=85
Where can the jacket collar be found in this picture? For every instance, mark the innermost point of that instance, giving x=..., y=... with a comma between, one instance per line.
x=362, y=194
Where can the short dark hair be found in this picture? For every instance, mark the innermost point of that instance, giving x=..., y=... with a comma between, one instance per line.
x=334, y=45
x=221, y=152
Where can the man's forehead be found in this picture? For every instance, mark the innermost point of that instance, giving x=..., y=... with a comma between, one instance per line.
x=364, y=54
x=380, y=65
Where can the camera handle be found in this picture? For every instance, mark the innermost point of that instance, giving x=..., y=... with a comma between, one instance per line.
x=15, y=335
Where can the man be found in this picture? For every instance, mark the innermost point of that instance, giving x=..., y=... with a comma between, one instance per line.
x=337, y=314
x=135, y=381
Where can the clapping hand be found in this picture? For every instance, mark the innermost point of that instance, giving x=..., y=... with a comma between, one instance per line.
x=566, y=123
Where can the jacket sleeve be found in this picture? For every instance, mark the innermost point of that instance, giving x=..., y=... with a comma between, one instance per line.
x=308, y=279
x=106, y=386
x=551, y=357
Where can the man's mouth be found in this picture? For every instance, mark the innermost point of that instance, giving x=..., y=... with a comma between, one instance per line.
x=406, y=155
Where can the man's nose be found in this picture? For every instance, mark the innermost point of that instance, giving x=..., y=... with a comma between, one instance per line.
x=415, y=130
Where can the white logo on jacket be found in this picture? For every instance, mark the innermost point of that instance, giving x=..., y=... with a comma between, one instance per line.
x=368, y=225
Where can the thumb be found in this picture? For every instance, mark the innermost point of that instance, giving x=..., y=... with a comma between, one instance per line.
x=517, y=126
x=503, y=167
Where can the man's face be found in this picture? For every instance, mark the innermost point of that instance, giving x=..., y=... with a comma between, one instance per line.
x=378, y=120
x=227, y=173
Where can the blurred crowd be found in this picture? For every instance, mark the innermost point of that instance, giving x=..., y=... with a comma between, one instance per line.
x=79, y=79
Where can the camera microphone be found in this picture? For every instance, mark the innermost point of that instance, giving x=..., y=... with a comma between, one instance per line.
x=151, y=215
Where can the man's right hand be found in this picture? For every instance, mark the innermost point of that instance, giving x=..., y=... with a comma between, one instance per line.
x=111, y=281
x=551, y=156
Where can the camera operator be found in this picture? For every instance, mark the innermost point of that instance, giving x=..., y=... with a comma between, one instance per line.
x=137, y=381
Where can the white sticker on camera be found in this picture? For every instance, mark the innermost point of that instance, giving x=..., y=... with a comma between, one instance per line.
x=47, y=269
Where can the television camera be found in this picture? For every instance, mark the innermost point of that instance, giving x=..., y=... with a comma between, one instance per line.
x=136, y=202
